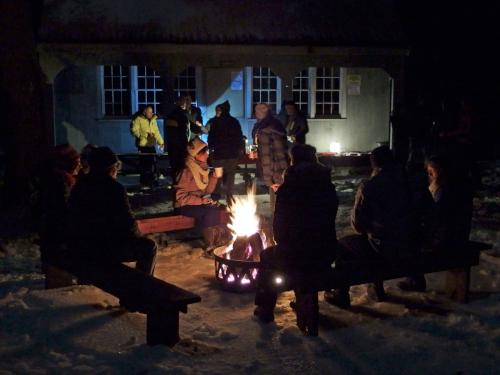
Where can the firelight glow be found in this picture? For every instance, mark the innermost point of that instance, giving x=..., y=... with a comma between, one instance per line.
x=335, y=147
x=244, y=220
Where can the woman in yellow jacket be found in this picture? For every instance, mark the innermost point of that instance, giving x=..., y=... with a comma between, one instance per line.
x=147, y=135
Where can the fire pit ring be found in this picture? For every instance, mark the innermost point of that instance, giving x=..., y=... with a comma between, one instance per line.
x=235, y=275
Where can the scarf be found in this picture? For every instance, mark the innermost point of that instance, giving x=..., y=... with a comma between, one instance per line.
x=199, y=171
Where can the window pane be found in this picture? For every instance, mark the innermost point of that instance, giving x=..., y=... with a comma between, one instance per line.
x=296, y=96
x=273, y=82
x=328, y=97
x=265, y=84
x=328, y=83
x=304, y=97
x=264, y=96
x=141, y=97
x=319, y=83
x=256, y=97
x=256, y=83
x=336, y=109
x=336, y=83
x=319, y=96
x=272, y=96
x=108, y=96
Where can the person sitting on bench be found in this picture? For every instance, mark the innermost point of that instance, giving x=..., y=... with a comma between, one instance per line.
x=194, y=185
x=101, y=227
x=383, y=217
x=304, y=228
x=63, y=165
x=450, y=221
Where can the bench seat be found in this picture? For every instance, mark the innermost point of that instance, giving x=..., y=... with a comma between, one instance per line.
x=160, y=300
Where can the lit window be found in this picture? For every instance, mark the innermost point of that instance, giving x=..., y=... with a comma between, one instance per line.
x=185, y=84
x=300, y=90
x=327, y=91
x=116, y=91
x=148, y=91
x=265, y=87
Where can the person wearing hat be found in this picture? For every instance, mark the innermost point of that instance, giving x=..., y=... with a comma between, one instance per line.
x=225, y=141
x=101, y=227
x=194, y=184
x=59, y=178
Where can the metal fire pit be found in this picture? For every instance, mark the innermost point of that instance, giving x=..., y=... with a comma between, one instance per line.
x=235, y=275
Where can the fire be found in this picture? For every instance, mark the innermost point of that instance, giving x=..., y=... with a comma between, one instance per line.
x=244, y=219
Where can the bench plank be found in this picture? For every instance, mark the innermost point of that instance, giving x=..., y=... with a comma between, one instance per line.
x=165, y=224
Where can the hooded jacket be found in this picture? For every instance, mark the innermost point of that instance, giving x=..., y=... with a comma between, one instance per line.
x=146, y=131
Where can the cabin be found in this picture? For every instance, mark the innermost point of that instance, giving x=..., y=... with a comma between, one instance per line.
x=341, y=61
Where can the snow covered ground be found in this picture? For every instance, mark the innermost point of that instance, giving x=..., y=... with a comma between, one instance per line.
x=79, y=329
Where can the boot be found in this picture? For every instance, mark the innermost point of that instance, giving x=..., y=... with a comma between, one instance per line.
x=210, y=238
x=376, y=291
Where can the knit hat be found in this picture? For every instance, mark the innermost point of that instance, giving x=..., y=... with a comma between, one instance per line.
x=261, y=108
x=195, y=146
x=101, y=159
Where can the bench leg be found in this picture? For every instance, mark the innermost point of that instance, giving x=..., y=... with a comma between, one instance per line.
x=457, y=284
x=56, y=277
x=162, y=327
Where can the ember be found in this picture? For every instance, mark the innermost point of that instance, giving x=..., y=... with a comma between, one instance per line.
x=236, y=265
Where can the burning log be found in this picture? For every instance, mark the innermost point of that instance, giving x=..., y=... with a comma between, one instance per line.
x=247, y=248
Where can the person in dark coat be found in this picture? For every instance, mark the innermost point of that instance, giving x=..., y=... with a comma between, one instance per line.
x=60, y=177
x=176, y=130
x=270, y=137
x=447, y=227
x=304, y=225
x=294, y=122
x=383, y=216
x=101, y=227
x=225, y=142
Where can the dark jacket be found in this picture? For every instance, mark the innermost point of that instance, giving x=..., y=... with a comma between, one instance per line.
x=304, y=217
x=383, y=211
x=270, y=137
x=56, y=187
x=296, y=127
x=225, y=139
x=99, y=215
x=450, y=224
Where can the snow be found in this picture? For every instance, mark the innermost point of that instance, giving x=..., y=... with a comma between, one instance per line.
x=81, y=330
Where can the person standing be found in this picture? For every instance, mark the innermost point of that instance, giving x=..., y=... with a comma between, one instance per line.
x=225, y=142
x=147, y=135
x=295, y=123
x=307, y=246
x=177, y=135
x=270, y=137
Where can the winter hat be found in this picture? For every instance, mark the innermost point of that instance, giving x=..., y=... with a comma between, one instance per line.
x=195, y=146
x=101, y=159
x=262, y=108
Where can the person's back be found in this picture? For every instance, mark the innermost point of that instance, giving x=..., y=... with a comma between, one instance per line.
x=304, y=221
x=99, y=214
x=225, y=138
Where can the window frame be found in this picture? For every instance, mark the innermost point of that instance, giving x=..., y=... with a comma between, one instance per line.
x=133, y=91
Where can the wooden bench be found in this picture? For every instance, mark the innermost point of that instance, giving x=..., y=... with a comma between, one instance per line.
x=161, y=301
x=457, y=264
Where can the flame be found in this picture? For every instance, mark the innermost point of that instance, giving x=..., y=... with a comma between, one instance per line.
x=244, y=220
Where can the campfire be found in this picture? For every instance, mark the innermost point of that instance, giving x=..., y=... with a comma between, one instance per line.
x=236, y=265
